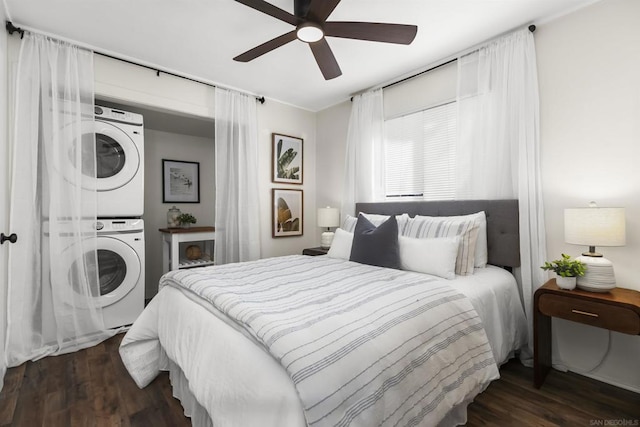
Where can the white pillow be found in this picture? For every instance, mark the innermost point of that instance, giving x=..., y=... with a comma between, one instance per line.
x=341, y=245
x=466, y=227
x=349, y=223
x=482, y=253
x=435, y=256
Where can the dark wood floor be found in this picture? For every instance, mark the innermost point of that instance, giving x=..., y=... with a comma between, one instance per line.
x=92, y=388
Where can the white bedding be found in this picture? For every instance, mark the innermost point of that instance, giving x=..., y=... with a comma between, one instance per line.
x=233, y=372
x=493, y=291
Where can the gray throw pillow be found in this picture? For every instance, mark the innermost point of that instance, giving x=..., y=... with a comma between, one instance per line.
x=376, y=245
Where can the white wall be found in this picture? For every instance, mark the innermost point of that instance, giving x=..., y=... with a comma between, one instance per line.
x=589, y=75
x=173, y=146
x=332, y=126
x=275, y=117
x=121, y=82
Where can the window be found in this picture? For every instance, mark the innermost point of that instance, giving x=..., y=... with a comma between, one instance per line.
x=420, y=150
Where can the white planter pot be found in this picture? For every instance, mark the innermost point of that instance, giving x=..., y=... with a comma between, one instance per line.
x=567, y=283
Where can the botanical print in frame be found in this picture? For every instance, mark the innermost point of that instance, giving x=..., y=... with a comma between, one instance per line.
x=180, y=181
x=287, y=159
x=286, y=212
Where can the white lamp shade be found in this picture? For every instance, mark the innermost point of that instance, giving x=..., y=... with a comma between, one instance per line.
x=595, y=226
x=328, y=217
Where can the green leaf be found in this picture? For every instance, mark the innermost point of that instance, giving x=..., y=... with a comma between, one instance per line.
x=565, y=267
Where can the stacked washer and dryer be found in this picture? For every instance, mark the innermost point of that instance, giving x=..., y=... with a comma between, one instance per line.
x=120, y=228
x=119, y=139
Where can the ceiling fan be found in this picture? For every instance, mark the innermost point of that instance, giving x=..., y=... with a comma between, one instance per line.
x=310, y=20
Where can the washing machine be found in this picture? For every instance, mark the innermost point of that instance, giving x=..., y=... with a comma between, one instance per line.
x=121, y=270
x=120, y=256
x=119, y=139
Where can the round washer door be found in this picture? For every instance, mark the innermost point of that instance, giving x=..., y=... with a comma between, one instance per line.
x=118, y=270
x=117, y=157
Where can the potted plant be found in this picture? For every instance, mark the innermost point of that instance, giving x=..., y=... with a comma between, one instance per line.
x=186, y=219
x=567, y=270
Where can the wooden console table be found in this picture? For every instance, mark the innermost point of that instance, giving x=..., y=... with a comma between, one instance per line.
x=171, y=239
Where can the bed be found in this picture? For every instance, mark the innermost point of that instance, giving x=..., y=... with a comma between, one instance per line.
x=301, y=354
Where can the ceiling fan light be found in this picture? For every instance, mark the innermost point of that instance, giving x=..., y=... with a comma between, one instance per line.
x=309, y=32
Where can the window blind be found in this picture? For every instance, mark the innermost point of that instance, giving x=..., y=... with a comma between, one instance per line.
x=420, y=150
x=435, y=87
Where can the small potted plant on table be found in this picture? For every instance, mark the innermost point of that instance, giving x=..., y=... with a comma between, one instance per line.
x=567, y=270
x=186, y=219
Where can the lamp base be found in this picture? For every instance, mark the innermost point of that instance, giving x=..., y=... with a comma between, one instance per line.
x=326, y=239
x=599, y=275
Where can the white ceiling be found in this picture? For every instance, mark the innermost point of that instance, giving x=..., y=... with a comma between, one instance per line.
x=200, y=37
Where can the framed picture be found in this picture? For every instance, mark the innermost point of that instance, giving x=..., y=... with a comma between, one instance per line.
x=287, y=212
x=181, y=181
x=286, y=164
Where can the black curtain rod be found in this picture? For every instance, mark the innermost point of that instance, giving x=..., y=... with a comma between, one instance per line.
x=416, y=74
x=531, y=28
x=260, y=99
x=13, y=29
x=420, y=73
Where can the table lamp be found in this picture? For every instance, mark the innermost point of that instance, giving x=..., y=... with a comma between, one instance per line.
x=327, y=218
x=594, y=226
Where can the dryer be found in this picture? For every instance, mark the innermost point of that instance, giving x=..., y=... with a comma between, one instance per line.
x=119, y=138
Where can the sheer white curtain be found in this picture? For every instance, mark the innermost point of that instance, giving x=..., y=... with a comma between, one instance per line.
x=364, y=169
x=498, y=143
x=53, y=275
x=4, y=195
x=237, y=200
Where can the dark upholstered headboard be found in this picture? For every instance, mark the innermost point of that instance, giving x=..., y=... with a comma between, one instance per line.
x=503, y=236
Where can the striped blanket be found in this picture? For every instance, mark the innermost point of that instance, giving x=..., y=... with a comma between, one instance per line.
x=363, y=345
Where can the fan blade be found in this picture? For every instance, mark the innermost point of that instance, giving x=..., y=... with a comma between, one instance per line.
x=325, y=59
x=266, y=47
x=271, y=10
x=372, y=31
x=319, y=10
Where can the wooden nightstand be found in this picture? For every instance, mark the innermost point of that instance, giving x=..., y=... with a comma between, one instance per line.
x=618, y=310
x=315, y=251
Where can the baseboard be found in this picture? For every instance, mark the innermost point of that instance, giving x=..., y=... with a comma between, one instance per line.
x=608, y=381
